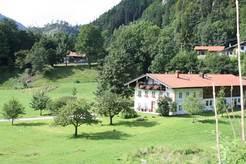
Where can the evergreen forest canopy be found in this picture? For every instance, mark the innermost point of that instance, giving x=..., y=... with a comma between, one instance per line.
x=133, y=38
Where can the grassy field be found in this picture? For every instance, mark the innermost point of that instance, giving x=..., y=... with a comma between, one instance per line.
x=58, y=82
x=128, y=141
x=41, y=142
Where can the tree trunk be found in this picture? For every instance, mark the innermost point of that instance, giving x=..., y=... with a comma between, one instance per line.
x=41, y=113
x=193, y=120
x=111, y=120
x=12, y=121
x=76, y=131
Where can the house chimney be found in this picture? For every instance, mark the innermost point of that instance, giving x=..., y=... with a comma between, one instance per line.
x=177, y=73
x=202, y=75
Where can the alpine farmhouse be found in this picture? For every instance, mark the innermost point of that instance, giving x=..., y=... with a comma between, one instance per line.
x=150, y=87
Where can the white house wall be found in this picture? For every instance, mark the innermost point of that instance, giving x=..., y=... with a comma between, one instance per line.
x=179, y=99
x=150, y=103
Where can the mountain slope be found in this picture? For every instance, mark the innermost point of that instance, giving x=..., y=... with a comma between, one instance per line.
x=192, y=22
x=122, y=14
x=19, y=25
x=59, y=26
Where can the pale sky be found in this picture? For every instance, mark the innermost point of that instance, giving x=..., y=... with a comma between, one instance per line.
x=40, y=12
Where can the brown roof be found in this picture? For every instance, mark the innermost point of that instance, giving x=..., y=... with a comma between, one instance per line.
x=209, y=48
x=195, y=80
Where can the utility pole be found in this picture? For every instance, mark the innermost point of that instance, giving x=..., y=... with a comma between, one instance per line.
x=240, y=72
x=216, y=126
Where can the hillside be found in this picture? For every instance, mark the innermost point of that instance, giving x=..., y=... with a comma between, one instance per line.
x=19, y=25
x=59, y=26
x=192, y=22
x=122, y=14
x=56, y=83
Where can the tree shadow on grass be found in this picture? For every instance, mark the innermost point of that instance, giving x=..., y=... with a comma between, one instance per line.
x=181, y=116
x=30, y=124
x=210, y=121
x=135, y=123
x=107, y=135
x=64, y=72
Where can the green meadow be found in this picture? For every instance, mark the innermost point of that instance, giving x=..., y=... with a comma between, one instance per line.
x=127, y=141
x=42, y=142
x=58, y=82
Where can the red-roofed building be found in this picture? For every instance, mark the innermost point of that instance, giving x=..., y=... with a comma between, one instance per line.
x=178, y=86
x=212, y=49
x=75, y=57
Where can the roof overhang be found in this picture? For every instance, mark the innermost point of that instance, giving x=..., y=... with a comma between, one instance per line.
x=143, y=76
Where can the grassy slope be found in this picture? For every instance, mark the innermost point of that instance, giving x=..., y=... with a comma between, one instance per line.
x=40, y=142
x=59, y=82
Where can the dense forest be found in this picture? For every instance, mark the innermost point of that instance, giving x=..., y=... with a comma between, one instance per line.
x=133, y=38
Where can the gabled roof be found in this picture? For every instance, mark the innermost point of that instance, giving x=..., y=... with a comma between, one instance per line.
x=209, y=48
x=194, y=80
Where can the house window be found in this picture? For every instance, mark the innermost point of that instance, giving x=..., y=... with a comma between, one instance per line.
x=146, y=94
x=180, y=95
x=153, y=94
x=238, y=100
x=207, y=103
x=139, y=106
x=211, y=102
x=194, y=94
x=160, y=94
x=187, y=93
x=180, y=107
x=168, y=94
x=139, y=93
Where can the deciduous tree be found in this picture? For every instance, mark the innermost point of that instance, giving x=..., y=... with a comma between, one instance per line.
x=90, y=42
x=39, y=101
x=76, y=113
x=12, y=110
x=193, y=106
x=110, y=104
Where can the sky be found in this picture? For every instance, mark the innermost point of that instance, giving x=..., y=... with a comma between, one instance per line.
x=41, y=12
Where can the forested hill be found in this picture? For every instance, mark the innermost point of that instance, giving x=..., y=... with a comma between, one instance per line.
x=19, y=25
x=56, y=27
x=123, y=13
x=192, y=21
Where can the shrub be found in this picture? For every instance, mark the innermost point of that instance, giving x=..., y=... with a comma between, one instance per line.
x=164, y=106
x=74, y=92
x=76, y=81
x=193, y=106
x=128, y=113
x=56, y=105
x=233, y=152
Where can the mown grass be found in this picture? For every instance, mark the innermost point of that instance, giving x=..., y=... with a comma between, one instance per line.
x=41, y=142
x=58, y=82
